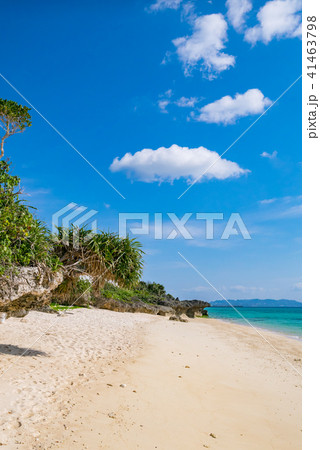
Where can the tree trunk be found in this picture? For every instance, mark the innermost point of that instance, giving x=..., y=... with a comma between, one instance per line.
x=2, y=149
x=2, y=141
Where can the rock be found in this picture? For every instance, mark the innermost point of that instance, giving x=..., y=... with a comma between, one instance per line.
x=174, y=318
x=183, y=318
x=71, y=299
x=27, y=288
x=164, y=306
x=48, y=310
x=165, y=310
x=178, y=318
x=192, y=308
x=20, y=313
x=133, y=306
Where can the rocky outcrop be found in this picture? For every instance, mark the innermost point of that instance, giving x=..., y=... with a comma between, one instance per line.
x=164, y=307
x=27, y=288
x=79, y=299
x=191, y=308
x=179, y=318
x=135, y=305
x=30, y=288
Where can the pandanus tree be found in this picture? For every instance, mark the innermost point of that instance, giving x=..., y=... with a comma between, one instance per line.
x=103, y=256
x=14, y=118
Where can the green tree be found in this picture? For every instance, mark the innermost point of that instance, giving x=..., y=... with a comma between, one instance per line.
x=14, y=118
x=104, y=256
x=24, y=240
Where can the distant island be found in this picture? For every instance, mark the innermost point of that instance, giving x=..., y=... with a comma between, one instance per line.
x=256, y=303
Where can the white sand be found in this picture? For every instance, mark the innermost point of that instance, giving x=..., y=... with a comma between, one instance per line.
x=183, y=381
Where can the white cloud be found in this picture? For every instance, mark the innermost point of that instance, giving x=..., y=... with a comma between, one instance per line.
x=185, y=102
x=188, y=12
x=241, y=288
x=175, y=162
x=227, y=110
x=292, y=211
x=163, y=105
x=272, y=155
x=204, y=46
x=164, y=100
x=288, y=207
x=237, y=11
x=165, y=4
x=277, y=19
x=267, y=201
x=198, y=289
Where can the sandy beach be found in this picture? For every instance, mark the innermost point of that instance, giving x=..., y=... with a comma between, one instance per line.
x=96, y=379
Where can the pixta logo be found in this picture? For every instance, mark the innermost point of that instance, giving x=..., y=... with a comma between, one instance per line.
x=75, y=216
x=158, y=226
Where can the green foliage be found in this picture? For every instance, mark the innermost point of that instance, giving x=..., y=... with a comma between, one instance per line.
x=146, y=292
x=24, y=240
x=83, y=286
x=58, y=307
x=123, y=256
x=153, y=288
x=117, y=293
x=14, y=118
x=73, y=291
x=103, y=256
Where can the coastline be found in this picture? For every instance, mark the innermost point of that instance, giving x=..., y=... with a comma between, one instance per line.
x=261, y=329
x=201, y=384
x=281, y=320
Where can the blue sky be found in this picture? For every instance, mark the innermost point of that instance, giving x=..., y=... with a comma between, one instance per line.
x=114, y=78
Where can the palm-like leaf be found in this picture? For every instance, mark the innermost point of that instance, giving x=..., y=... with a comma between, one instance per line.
x=104, y=256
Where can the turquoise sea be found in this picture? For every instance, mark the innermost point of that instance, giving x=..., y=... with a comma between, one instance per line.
x=282, y=320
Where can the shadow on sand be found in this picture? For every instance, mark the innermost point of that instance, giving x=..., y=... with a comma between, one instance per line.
x=7, y=349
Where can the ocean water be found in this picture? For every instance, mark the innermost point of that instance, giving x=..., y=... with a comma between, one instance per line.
x=282, y=320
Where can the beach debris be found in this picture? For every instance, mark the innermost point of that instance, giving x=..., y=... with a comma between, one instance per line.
x=108, y=384
x=123, y=385
x=213, y=436
x=3, y=317
x=112, y=415
x=187, y=367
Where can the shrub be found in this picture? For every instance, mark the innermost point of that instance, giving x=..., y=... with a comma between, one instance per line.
x=146, y=292
x=24, y=240
x=117, y=293
x=104, y=256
